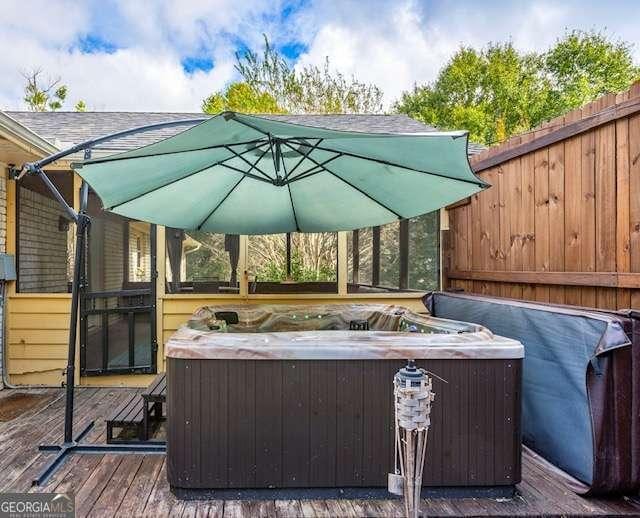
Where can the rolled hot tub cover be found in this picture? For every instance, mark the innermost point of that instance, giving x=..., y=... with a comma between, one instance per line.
x=581, y=397
x=243, y=174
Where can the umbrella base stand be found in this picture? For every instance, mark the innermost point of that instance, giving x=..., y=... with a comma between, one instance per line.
x=62, y=451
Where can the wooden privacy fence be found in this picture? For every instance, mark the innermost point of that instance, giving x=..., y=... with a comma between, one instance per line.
x=561, y=222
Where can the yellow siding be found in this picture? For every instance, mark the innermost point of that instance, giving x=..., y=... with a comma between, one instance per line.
x=37, y=327
x=37, y=335
x=51, y=378
x=30, y=351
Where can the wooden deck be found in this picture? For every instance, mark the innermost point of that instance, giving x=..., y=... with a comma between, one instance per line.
x=136, y=485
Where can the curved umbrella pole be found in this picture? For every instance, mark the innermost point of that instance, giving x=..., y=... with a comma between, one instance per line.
x=74, y=444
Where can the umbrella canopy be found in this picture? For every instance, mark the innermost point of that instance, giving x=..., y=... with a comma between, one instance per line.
x=242, y=174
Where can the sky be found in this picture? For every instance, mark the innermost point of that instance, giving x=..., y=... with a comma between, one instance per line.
x=167, y=55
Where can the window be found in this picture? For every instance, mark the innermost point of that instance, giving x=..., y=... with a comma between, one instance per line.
x=138, y=253
x=424, y=252
x=400, y=256
x=45, y=242
x=202, y=262
x=117, y=331
x=293, y=263
x=139, y=246
x=389, y=252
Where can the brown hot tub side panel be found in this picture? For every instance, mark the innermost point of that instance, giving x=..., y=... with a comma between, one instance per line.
x=329, y=423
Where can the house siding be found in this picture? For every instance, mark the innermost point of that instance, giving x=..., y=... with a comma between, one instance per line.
x=43, y=247
x=113, y=252
x=3, y=249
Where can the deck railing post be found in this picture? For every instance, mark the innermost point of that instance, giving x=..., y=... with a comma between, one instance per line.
x=403, y=281
x=375, y=257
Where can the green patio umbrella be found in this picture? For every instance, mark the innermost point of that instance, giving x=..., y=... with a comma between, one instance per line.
x=242, y=174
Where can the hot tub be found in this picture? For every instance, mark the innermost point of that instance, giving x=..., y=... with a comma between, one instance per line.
x=290, y=397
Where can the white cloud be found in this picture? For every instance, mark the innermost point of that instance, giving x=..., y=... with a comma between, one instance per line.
x=398, y=43
x=48, y=22
x=393, y=50
x=129, y=79
x=393, y=43
x=145, y=73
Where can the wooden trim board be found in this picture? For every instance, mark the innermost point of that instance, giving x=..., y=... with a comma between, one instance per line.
x=602, y=279
x=613, y=113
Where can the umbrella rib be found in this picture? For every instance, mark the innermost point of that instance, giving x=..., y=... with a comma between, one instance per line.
x=254, y=165
x=293, y=209
x=220, y=203
x=273, y=154
x=252, y=126
x=165, y=153
x=353, y=186
x=214, y=164
x=313, y=170
x=244, y=173
x=386, y=162
x=305, y=155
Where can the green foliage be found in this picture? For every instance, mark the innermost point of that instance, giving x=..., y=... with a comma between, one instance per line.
x=206, y=258
x=424, y=252
x=318, y=90
x=42, y=97
x=487, y=92
x=48, y=95
x=276, y=271
x=241, y=97
x=583, y=66
x=80, y=106
x=497, y=91
x=271, y=85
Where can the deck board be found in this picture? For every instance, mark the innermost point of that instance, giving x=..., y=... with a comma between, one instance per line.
x=121, y=485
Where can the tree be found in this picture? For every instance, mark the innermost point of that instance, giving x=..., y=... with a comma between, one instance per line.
x=497, y=91
x=313, y=257
x=241, y=97
x=269, y=84
x=310, y=90
x=583, y=66
x=492, y=93
x=205, y=256
x=318, y=90
x=46, y=95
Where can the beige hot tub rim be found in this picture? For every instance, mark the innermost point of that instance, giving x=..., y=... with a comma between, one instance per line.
x=190, y=341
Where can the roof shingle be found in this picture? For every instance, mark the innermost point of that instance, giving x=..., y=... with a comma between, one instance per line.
x=64, y=129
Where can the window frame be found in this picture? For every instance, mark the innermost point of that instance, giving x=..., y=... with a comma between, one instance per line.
x=404, y=259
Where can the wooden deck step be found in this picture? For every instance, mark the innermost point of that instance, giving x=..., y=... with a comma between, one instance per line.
x=157, y=389
x=128, y=416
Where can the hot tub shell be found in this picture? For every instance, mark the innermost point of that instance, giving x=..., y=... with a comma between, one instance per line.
x=313, y=409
